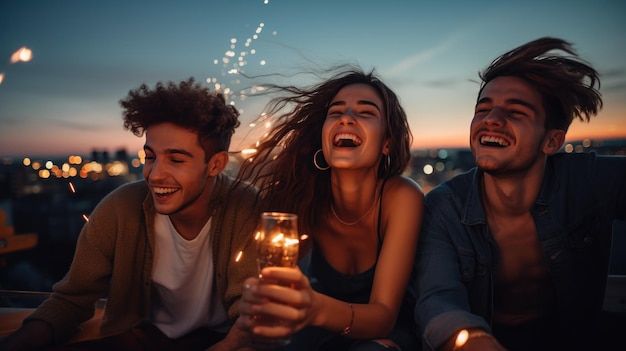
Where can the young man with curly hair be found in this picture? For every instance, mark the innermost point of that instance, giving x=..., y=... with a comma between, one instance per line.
x=162, y=250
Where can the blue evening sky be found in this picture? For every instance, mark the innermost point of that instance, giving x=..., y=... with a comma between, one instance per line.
x=87, y=55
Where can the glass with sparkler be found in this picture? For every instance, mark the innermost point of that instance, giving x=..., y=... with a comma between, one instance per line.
x=277, y=246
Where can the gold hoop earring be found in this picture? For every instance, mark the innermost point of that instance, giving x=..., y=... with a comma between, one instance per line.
x=317, y=164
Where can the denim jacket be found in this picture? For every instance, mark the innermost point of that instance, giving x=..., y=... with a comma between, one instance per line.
x=457, y=256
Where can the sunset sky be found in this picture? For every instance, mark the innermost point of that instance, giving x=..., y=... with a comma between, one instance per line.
x=87, y=55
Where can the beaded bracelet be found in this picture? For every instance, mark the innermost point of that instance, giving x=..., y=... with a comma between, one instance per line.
x=347, y=330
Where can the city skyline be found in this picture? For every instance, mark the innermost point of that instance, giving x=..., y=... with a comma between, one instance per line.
x=86, y=56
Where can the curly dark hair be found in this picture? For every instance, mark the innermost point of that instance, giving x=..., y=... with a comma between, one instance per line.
x=568, y=85
x=188, y=105
x=283, y=168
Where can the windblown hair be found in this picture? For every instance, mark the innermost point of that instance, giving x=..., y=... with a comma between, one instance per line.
x=283, y=167
x=568, y=85
x=188, y=105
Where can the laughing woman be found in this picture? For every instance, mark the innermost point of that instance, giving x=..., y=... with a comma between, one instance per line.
x=336, y=158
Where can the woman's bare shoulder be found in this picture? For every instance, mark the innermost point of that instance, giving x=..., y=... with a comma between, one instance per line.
x=401, y=185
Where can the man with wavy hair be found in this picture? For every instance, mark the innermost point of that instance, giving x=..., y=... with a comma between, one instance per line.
x=514, y=253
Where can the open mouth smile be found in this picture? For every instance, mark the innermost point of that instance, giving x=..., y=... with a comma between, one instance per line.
x=346, y=140
x=163, y=191
x=493, y=141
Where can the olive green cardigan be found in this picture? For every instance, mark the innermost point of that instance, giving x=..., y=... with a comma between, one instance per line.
x=113, y=259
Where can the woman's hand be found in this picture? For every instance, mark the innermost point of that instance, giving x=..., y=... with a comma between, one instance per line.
x=283, y=294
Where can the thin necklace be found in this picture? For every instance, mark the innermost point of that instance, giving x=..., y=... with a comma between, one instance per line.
x=332, y=208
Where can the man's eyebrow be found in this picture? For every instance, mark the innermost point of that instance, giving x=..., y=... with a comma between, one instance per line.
x=360, y=102
x=512, y=101
x=523, y=103
x=171, y=151
x=483, y=100
x=179, y=151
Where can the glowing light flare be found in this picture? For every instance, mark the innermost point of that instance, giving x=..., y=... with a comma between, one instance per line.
x=75, y=160
x=290, y=242
x=279, y=237
x=304, y=237
x=248, y=152
x=72, y=189
x=57, y=172
x=428, y=169
x=23, y=54
x=238, y=257
x=93, y=166
x=142, y=156
x=461, y=339
x=1, y=77
x=85, y=218
x=116, y=168
x=44, y=173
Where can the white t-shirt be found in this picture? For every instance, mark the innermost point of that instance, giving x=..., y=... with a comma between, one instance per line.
x=185, y=295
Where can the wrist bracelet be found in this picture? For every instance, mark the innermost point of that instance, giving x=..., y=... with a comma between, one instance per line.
x=347, y=330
